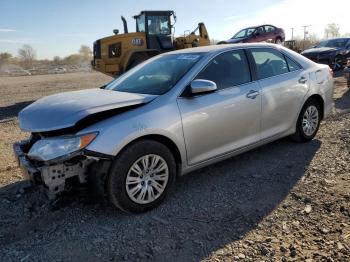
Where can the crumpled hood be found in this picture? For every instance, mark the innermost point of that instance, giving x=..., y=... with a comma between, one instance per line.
x=66, y=109
x=319, y=50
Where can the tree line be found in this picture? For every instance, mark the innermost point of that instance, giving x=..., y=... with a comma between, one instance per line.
x=27, y=57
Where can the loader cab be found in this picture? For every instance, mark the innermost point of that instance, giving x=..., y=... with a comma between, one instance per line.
x=157, y=27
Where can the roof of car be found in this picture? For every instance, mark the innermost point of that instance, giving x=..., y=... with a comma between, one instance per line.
x=216, y=49
x=219, y=48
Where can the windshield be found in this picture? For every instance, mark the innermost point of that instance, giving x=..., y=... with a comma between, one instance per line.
x=156, y=77
x=333, y=43
x=158, y=25
x=244, y=33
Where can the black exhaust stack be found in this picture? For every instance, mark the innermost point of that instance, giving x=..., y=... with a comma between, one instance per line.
x=125, y=25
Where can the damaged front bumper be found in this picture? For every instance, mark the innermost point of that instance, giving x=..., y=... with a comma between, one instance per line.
x=56, y=176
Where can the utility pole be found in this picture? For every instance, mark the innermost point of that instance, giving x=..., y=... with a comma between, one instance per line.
x=292, y=32
x=305, y=33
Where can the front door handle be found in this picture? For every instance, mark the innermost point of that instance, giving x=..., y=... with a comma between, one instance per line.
x=302, y=80
x=252, y=94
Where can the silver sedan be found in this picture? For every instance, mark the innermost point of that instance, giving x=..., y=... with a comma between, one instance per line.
x=170, y=115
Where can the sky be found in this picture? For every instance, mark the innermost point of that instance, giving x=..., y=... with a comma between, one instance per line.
x=60, y=27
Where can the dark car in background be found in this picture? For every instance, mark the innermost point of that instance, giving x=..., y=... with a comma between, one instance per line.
x=347, y=72
x=332, y=52
x=261, y=33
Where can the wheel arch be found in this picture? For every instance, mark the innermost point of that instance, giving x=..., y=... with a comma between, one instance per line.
x=319, y=99
x=166, y=141
x=132, y=55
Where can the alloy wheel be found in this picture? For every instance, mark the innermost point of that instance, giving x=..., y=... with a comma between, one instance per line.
x=337, y=64
x=147, y=179
x=310, y=120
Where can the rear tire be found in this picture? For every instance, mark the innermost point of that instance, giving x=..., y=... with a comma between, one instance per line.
x=278, y=41
x=133, y=184
x=308, y=121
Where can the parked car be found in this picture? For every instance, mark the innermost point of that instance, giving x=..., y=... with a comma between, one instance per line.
x=57, y=70
x=19, y=72
x=170, y=115
x=261, y=33
x=347, y=72
x=332, y=52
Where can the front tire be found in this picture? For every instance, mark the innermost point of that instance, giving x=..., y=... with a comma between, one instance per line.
x=136, y=60
x=141, y=176
x=337, y=63
x=308, y=122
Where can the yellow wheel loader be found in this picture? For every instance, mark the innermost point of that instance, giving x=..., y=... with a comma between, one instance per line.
x=113, y=55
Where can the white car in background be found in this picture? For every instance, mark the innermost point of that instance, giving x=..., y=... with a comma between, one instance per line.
x=57, y=70
x=19, y=72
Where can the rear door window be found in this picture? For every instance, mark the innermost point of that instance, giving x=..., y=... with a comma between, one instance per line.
x=227, y=70
x=293, y=66
x=269, y=28
x=269, y=62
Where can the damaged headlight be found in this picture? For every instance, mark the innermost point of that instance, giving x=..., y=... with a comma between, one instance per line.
x=51, y=148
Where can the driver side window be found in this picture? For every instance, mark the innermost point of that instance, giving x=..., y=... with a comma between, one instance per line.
x=227, y=70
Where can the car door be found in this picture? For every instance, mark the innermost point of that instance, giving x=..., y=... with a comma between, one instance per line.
x=260, y=34
x=271, y=33
x=227, y=119
x=283, y=85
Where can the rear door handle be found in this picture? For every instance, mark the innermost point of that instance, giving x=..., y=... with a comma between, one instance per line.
x=302, y=80
x=252, y=94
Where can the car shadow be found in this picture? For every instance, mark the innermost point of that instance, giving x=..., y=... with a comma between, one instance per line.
x=11, y=111
x=207, y=210
x=343, y=103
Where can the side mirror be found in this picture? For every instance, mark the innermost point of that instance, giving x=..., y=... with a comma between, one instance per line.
x=200, y=86
x=116, y=31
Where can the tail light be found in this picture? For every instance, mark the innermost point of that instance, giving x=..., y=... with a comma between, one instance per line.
x=331, y=72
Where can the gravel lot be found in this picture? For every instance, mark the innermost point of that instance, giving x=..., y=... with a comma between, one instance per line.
x=281, y=202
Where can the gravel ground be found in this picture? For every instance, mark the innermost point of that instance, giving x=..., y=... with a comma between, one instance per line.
x=281, y=202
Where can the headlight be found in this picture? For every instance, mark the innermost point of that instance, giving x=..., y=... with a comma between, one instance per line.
x=51, y=148
x=345, y=52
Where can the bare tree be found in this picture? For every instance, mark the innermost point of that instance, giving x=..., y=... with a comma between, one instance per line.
x=57, y=60
x=27, y=55
x=74, y=59
x=85, y=53
x=332, y=30
x=4, y=59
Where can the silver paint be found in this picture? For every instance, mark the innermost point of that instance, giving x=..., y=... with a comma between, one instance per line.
x=211, y=127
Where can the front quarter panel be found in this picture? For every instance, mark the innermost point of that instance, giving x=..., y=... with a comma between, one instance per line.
x=156, y=118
